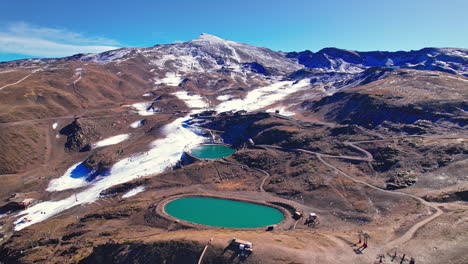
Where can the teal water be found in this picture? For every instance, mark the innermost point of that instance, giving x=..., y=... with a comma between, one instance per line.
x=212, y=151
x=223, y=213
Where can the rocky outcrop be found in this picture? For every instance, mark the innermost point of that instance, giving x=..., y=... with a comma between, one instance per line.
x=102, y=160
x=448, y=197
x=370, y=111
x=238, y=127
x=254, y=159
x=79, y=134
x=399, y=183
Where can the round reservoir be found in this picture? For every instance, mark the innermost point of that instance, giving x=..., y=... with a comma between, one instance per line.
x=211, y=151
x=223, y=213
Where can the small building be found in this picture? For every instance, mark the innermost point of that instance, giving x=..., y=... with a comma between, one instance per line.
x=241, y=247
x=26, y=202
x=242, y=244
x=16, y=202
x=297, y=215
x=312, y=220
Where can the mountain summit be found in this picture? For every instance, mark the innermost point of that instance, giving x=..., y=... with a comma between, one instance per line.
x=208, y=38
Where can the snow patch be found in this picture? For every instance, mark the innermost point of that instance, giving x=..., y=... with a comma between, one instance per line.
x=192, y=100
x=111, y=141
x=134, y=191
x=264, y=96
x=224, y=97
x=281, y=110
x=144, y=109
x=54, y=125
x=171, y=79
x=66, y=181
x=147, y=94
x=136, y=124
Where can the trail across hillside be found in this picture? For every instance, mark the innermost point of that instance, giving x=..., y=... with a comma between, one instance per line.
x=368, y=157
x=20, y=80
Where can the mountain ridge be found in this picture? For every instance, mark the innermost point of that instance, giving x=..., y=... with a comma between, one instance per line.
x=211, y=53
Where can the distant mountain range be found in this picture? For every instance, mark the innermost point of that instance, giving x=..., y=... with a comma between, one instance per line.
x=209, y=53
x=219, y=71
x=449, y=60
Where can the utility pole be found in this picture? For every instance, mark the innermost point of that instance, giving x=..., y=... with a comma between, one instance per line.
x=360, y=237
x=403, y=259
x=204, y=250
x=366, y=239
x=381, y=257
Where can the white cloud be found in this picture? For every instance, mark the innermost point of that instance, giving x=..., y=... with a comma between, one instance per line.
x=23, y=38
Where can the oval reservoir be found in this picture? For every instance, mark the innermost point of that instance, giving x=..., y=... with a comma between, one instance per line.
x=211, y=151
x=223, y=213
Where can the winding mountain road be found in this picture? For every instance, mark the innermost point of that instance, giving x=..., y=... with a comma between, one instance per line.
x=267, y=175
x=20, y=80
x=366, y=157
x=408, y=235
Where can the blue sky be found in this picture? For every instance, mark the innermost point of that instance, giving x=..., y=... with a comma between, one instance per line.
x=55, y=28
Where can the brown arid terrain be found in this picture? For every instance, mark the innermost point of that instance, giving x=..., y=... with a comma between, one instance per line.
x=385, y=156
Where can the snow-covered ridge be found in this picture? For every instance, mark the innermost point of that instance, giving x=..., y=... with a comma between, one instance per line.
x=209, y=53
x=338, y=60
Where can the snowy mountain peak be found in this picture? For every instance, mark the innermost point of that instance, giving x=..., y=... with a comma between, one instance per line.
x=209, y=38
x=210, y=53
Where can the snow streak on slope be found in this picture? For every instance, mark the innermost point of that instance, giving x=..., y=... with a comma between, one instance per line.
x=224, y=97
x=66, y=181
x=171, y=79
x=192, y=100
x=136, y=124
x=281, y=110
x=111, y=141
x=264, y=96
x=134, y=192
x=164, y=153
x=144, y=109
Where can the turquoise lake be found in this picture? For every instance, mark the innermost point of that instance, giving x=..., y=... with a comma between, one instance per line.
x=212, y=151
x=223, y=213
